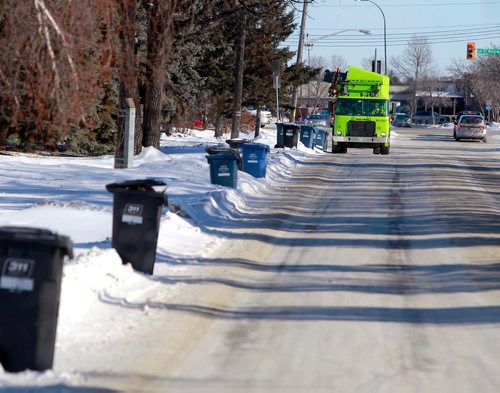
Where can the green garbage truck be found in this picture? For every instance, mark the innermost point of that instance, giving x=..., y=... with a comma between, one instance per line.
x=360, y=109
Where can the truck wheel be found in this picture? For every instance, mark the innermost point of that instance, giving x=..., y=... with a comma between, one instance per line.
x=376, y=150
x=336, y=149
x=384, y=150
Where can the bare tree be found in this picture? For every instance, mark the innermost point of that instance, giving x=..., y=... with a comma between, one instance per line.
x=414, y=65
x=55, y=56
x=128, y=71
x=316, y=89
x=479, y=79
x=432, y=96
x=337, y=61
x=366, y=63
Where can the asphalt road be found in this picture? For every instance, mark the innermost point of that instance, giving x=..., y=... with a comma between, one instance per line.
x=361, y=273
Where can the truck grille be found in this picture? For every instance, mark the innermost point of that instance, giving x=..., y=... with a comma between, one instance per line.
x=361, y=128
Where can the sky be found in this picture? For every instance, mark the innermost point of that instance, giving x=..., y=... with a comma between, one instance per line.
x=447, y=24
x=67, y=195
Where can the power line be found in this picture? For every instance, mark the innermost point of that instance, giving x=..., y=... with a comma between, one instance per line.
x=459, y=28
x=443, y=36
x=416, y=4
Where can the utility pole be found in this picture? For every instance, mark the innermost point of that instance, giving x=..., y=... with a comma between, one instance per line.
x=238, y=82
x=299, y=53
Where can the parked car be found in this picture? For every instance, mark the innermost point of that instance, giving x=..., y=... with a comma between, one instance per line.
x=425, y=117
x=470, y=127
x=401, y=120
x=265, y=116
x=315, y=120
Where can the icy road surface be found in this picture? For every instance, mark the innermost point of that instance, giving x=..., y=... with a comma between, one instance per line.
x=361, y=273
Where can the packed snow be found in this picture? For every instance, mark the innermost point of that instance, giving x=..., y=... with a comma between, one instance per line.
x=67, y=195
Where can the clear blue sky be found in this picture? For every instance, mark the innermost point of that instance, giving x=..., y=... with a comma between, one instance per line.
x=447, y=24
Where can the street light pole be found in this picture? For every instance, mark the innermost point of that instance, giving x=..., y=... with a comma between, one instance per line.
x=385, y=33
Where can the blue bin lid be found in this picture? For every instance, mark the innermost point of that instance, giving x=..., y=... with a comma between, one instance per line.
x=257, y=146
x=229, y=155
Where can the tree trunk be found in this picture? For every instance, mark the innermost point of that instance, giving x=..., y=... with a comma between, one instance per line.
x=238, y=83
x=218, y=126
x=159, y=39
x=257, y=123
x=128, y=75
x=152, y=109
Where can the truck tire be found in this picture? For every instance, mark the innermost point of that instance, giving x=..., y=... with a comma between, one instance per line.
x=376, y=150
x=336, y=149
x=384, y=150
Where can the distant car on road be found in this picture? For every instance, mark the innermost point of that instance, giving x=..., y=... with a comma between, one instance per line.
x=470, y=113
x=470, y=127
x=315, y=120
x=401, y=120
x=426, y=117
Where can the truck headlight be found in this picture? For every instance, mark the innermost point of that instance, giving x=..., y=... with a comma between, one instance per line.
x=339, y=133
x=382, y=134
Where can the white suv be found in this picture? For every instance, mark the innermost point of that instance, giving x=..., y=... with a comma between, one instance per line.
x=470, y=127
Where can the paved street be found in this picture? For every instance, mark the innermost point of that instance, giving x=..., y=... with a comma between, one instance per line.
x=361, y=273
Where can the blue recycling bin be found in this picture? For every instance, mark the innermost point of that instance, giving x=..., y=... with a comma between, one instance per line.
x=320, y=138
x=279, y=135
x=224, y=169
x=254, y=159
x=307, y=136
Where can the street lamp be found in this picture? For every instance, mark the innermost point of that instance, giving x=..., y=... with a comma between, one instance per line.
x=385, y=33
x=309, y=44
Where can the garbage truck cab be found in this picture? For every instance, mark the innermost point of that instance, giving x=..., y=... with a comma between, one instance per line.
x=361, y=111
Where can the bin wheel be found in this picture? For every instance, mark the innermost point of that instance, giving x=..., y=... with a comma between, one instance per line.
x=384, y=150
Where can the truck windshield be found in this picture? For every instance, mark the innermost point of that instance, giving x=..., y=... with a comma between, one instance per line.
x=360, y=107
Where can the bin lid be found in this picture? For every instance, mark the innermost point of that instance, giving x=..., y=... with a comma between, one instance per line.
x=144, y=185
x=255, y=145
x=235, y=142
x=229, y=155
x=217, y=150
x=37, y=236
x=291, y=125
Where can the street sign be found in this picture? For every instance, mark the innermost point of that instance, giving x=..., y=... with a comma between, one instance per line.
x=487, y=51
x=487, y=108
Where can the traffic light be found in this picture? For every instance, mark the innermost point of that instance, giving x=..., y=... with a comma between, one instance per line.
x=471, y=51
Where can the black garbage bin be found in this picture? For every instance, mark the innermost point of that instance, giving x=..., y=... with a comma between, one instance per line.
x=137, y=210
x=31, y=264
x=279, y=135
x=291, y=135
